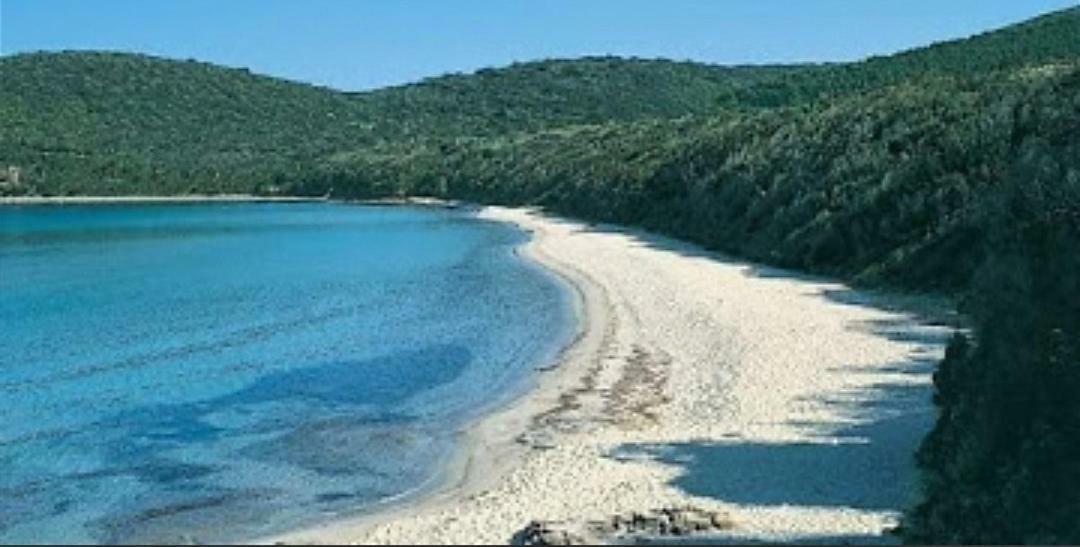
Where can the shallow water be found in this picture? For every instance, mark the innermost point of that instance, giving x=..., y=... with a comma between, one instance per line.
x=221, y=371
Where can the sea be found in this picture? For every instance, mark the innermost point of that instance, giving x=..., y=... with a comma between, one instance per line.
x=210, y=372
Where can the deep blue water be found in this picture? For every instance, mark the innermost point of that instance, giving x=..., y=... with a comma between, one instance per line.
x=221, y=371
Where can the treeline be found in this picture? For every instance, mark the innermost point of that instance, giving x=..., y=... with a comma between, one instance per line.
x=886, y=186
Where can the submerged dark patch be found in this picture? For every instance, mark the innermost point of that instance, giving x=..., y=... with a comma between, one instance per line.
x=168, y=388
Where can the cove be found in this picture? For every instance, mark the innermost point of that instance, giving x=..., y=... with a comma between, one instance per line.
x=221, y=371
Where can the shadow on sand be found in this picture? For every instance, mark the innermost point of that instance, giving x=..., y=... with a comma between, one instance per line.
x=860, y=461
x=862, y=465
x=818, y=472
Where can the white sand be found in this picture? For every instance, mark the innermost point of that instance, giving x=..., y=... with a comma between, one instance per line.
x=697, y=380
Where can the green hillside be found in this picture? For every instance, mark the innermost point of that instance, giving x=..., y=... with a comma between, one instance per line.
x=109, y=123
x=555, y=93
x=953, y=168
x=1043, y=40
x=113, y=123
x=885, y=186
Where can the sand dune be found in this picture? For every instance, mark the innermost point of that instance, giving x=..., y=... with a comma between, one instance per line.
x=791, y=404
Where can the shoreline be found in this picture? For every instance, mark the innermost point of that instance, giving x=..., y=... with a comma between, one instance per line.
x=700, y=358
x=193, y=198
x=411, y=201
x=489, y=446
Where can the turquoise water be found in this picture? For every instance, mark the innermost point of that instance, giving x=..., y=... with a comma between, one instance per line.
x=220, y=371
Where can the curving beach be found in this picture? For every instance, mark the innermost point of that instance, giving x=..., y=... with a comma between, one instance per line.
x=790, y=405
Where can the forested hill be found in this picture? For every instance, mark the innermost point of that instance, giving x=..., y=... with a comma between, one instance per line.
x=85, y=122
x=94, y=122
x=1042, y=40
x=952, y=168
x=601, y=89
x=555, y=93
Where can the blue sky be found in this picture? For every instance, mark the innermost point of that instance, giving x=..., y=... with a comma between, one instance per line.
x=363, y=44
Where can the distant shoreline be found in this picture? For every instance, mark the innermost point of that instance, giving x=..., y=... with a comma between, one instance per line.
x=192, y=198
x=414, y=201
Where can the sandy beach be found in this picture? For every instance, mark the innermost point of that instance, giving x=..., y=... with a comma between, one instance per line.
x=788, y=404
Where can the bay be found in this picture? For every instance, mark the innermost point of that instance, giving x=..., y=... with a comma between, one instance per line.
x=215, y=372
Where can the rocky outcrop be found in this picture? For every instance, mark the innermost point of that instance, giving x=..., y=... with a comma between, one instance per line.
x=548, y=533
x=657, y=523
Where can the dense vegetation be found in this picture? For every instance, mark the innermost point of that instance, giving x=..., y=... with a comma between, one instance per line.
x=885, y=186
x=105, y=123
x=559, y=93
x=952, y=168
x=108, y=123
x=1039, y=41
x=111, y=123
x=1002, y=465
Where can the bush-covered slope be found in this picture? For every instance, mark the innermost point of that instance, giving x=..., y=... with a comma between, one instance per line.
x=892, y=185
x=1002, y=465
x=121, y=123
x=555, y=93
x=1043, y=40
x=79, y=122
x=107, y=123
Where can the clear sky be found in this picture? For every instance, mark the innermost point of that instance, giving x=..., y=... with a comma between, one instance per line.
x=361, y=44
